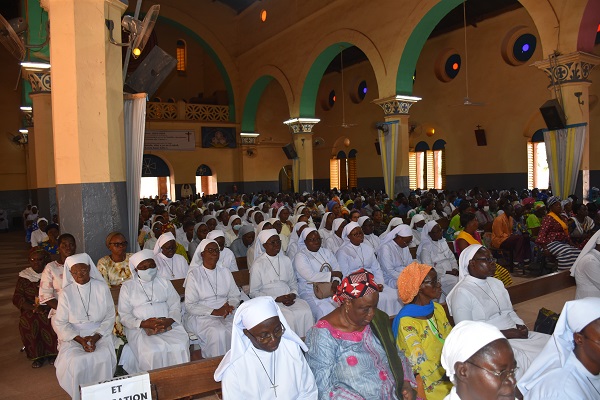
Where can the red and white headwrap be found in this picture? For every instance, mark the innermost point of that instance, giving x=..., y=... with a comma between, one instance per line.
x=356, y=285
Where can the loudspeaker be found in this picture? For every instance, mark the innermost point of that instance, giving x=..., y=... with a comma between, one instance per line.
x=289, y=151
x=152, y=72
x=480, y=137
x=378, y=148
x=553, y=115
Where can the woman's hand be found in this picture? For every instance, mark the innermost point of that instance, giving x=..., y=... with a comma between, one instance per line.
x=453, y=272
x=515, y=333
x=223, y=311
x=408, y=393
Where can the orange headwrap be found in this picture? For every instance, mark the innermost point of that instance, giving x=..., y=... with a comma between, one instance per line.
x=410, y=280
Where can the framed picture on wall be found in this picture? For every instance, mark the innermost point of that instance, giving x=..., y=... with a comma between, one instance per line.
x=218, y=138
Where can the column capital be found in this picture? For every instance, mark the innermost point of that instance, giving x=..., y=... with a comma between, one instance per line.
x=569, y=68
x=396, y=105
x=249, y=138
x=40, y=81
x=301, y=125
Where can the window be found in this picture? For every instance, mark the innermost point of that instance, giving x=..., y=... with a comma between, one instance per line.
x=181, y=56
x=206, y=180
x=343, y=171
x=538, y=173
x=427, y=168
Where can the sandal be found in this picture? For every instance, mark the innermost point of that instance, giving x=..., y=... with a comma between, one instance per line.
x=51, y=360
x=37, y=363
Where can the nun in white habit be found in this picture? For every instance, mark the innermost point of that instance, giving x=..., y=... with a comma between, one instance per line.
x=568, y=366
x=353, y=256
x=84, y=322
x=211, y=296
x=334, y=242
x=323, y=231
x=586, y=269
x=170, y=265
x=394, y=222
x=394, y=254
x=252, y=248
x=226, y=256
x=293, y=245
x=371, y=239
x=150, y=311
x=478, y=296
x=267, y=364
x=416, y=230
x=272, y=275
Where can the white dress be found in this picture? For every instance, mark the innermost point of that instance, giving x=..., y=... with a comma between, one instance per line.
x=438, y=255
x=308, y=269
x=205, y=291
x=51, y=283
x=227, y=260
x=171, y=268
x=333, y=243
x=393, y=259
x=487, y=300
x=138, y=301
x=587, y=275
x=274, y=276
x=74, y=366
x=373, y=240
x=37, y=237
x=351, y=258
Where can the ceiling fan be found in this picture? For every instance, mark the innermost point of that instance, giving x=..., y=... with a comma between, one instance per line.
x=12, y=36
x=344, y=124
x=467, y=100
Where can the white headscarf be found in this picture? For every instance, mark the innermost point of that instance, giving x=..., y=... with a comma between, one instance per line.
x=262, y=238
x=207, y=218
x=248, y=315
x=253, y=219
x=324, y=220
x=402, y=230
x=294, y=236
x=230, y=224
x=336, y=224
x=347, y=229
x=466, y=339
x=393, y=223
x=361, y=220
x=82, y=258
x=164, y=238
x=463, y=261
x=137, y=258
x=425, y=238
x=196, y=229
x=415, y=219
x=302, y=240
x=259, y=227
x=215, y=234
x=589, y=246
x=575, y=316
x=279, y=211
x=197, y=257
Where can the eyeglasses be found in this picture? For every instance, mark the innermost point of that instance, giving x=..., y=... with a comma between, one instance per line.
x=503, y=375
x=120, y=244
x=267, y=337
x=432, y=282
x=591, y=340
x=212, y=250
x=488, y=260
x=274, y=243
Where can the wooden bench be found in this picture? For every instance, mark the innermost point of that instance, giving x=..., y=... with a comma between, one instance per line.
x=182, y=380
x=242, y=262
x=540, y=286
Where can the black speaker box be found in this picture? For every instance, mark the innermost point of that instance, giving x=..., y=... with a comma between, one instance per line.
x=553, y=115
x=289, y=151
x=152, y=72
x=480, y=137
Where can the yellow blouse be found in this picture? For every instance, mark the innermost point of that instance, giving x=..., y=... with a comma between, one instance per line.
x=114, y=273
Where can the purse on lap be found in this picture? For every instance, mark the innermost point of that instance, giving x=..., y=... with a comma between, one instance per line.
x=323, y=290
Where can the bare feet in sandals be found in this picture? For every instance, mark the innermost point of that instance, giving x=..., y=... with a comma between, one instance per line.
x=37, y=363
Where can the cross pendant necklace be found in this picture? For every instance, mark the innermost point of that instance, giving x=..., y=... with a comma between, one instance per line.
x=273, y=385
x=87, y=310
x=172, y=268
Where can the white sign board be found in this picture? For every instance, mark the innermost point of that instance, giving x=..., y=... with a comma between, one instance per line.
x=172, y=140
x=128, y=387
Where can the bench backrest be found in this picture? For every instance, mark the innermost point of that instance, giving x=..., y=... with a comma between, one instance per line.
x=184, y=380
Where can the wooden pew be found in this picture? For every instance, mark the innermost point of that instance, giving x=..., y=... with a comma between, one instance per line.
x=178, y=381
x=242, y=262
x=540, y=286
x=242, y=278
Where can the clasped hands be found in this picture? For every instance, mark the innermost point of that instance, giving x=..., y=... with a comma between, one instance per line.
x=154, y=326
x=224, y=311
x=286, y=299
x=88, y=342
x=520, y=332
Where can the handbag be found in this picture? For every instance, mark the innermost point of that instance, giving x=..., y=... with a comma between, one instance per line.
x=323, y=290
x=546, y=321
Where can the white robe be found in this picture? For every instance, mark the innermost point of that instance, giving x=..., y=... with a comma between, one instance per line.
x=325, y=234
x=438, y=255
x=51, y=283
x=227, y=260
x=74, y=366
x=393, y=259
x=246, y=378
x=351, y=258
x=487, y=300
x=37, y=237
x=274, y=276
x=374, y=241
x=307, y=265
x=214, y=332
x=333, y=243
x=155, y=351
x=587, y=276
x=171, y=268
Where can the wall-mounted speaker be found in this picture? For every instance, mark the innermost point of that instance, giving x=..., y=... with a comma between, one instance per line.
x=553, y=115
x=289, y=151
x=480, y=137
x=152, y=72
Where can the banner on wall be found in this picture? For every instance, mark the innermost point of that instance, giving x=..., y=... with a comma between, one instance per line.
x=171, y=140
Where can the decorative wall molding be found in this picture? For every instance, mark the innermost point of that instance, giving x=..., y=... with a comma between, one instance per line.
x=569, y=68
x=396, y=105
x=40, y=81
x=187, y=112
x=301, y=125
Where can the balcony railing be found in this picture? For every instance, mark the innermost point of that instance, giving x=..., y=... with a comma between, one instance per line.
x=187, y=112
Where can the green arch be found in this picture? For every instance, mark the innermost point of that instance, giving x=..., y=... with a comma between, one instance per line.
x=415, y=43
x=213, y=55
x=308, y=100
x=251, y=104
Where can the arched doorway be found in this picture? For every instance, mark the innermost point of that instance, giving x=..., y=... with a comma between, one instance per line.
x=285, y=179
x=156, y=177
x=206, y=180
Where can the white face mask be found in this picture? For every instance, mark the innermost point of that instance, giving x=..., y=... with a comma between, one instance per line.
x=486, y=208
x=419, y=229
x=147, y=275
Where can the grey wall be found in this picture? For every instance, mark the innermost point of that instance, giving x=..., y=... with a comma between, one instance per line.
x=14, y=202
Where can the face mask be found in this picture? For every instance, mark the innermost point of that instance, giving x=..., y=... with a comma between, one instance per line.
x=237, y=227
x=147, y=275
x=486, y=208
x=420, y=229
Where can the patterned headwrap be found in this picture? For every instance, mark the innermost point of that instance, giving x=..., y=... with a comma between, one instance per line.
x=552, y=200
x=410, y=279
x=356, y=285
x=538, y=204
x=331, y=204
x=167, y=227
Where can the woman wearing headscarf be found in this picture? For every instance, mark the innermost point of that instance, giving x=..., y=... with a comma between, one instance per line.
x=266, y=359
x=394, y=222
x=231, y=231
x=569, y=365
x=257, y=218
x=84, y=322
x=38, y=236
x=115, y=266
x=170, y=266
x=51, y=282
x=479, y=296
x=37, y=334
x=554, y=237
x=252, y=248
x=226, y=256
x=417, y=222
x=150, y=311
x=278, y=226
x=308, y=263
x=355, y=254
x=479, y=362
x=366, y=223
x=294, y=237
x=155, y=232
x=421, y=328
x=393, y=253
x=325, y=228
x=351, y=351
x=50, y=245
x=211, y=296
x=272, y=275
x=335, y=241
x=283, y=214
x=241, y=245
x=434, y=251
x=179, y=248
x=200, y=231
x=586, y=269
x=210, y=221
x=580, y=225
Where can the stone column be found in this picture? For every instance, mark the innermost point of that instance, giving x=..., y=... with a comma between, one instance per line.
x=396, y=108
x=87, y=116
x=302, y=167
x=571, y=72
